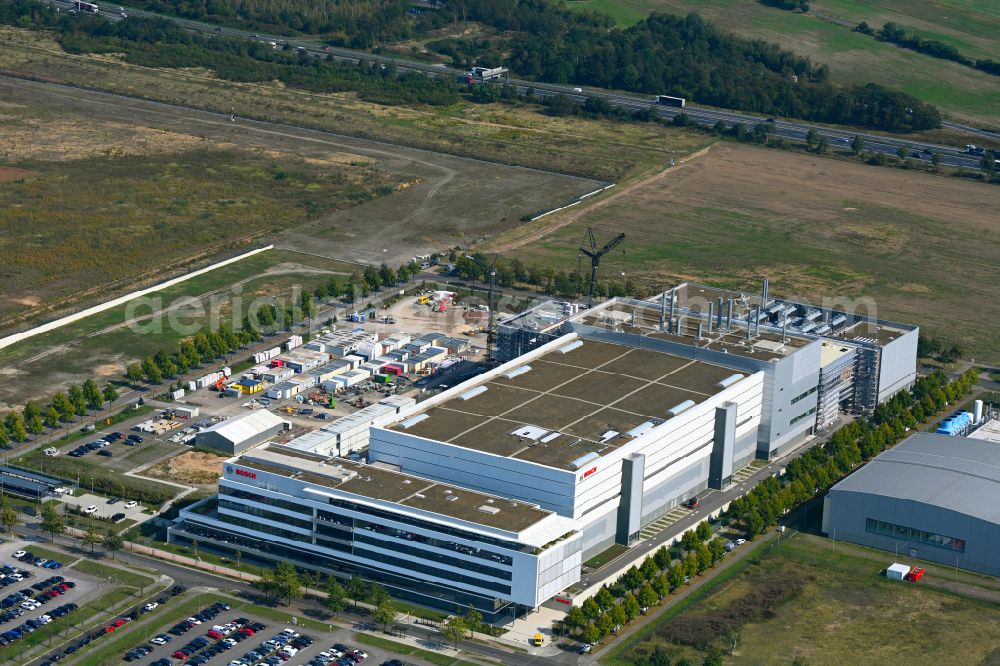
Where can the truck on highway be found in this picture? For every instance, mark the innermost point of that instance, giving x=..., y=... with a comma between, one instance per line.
x=483, y=74
x=974, y=150
x=88, y=7
x=667, y=100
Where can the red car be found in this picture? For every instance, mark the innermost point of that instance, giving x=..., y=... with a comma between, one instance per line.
x=180, y=654
x=108, y=630
x=119, y=622
x=63, y=586
x=212, y=633
x=247, y=630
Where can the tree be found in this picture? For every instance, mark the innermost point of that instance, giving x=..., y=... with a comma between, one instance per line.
x=590, y=634
x=704, y=531
x=718, y=548
x=648, y=569
x=92, y=394
x=604, y=598
x=4, y=437
x=52, y=522
x=631, y=606
x=617, y=615
x=62, y=404
x=689, y=540
x=14, y=423
x=590, y=609
x=110, y=394
x=812, y=138
x=91, y=538
x=857, y=145
x=357, y=589
x=935, y=160
x=454, y=629
x=9, y=517
x=113, y=542
x=575, y=619
x=133, y=373
x=268, y=586
x=288, y=581
x=473, y=620
x=676, y=575
x=35, y=425
x=901, y=153
x=648, y=596
x=989, y=163
x=377, y=594
x=336, y=596
x=385, y=613
x=661, y=584
x=823, y=145
x=52, y=417
x=78, y=400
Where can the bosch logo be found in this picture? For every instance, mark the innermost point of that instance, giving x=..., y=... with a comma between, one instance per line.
x=249, y=475
x=592, y=470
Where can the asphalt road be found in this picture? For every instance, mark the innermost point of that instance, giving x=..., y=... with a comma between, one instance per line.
x=796, y=131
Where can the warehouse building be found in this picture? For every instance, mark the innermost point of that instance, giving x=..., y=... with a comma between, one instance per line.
x=240, y=433
x=610, y=434
x=932, y=497
x=817, y=362
x=436, y=544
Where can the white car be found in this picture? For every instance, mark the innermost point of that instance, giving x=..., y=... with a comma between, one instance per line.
x=157, y=641
x=44, y=619
x=194, y=620
x=740, y=542
x=19, y=554
x=51, y=452
x=90, y=509
x=150, y=606
x=361, y=653
x=131, y=504
x=29, y=605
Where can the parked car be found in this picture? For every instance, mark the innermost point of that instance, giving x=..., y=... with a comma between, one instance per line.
x=106, y=454
x=131, y=504
x=90, y=509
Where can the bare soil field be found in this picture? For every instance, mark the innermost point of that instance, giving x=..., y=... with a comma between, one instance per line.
x=925, y=248
x=13, y=174
x=190, y=467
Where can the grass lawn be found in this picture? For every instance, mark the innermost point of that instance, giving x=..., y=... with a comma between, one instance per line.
x=124, y=577
x=409, y=650
x=805, y=599
x=59, y=556
x=963, y=92
x=599, y=560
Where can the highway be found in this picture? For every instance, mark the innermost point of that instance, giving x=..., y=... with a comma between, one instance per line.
x=790, y=130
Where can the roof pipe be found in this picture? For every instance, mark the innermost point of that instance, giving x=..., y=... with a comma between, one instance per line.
x=711, y=316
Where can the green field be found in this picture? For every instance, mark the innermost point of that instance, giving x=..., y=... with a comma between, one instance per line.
x=822, y=604
x=106, y=571
x=965, y=94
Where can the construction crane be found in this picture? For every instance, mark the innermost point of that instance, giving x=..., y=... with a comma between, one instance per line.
x=491, y=273
x=595, y=255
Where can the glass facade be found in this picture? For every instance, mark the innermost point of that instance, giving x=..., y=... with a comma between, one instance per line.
x=913, y=534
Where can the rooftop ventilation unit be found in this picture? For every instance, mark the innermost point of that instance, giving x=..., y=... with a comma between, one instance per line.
x=412, y=421
x=530, y=432
x=584, y=459
x=728, y=381
x=517, y=372
x=407, y=482
x=576, y=344
x=451, y=498
x=677, y=409
x=492, y=510
x=640, y=429
x=472, y=393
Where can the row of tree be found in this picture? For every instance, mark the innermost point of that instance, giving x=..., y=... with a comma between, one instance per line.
x=154, y=42
x=643, y=586
x=54, y=524
x=859, y=441
x=510, y=273
x=80, y=400
x=897, y=34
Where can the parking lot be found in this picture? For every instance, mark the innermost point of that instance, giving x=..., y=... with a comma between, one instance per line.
x=40, y=596
x=272, y=643
x=106, y=507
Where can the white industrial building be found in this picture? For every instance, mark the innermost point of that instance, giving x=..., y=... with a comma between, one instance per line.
x=435, y=544
x=240, y=433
